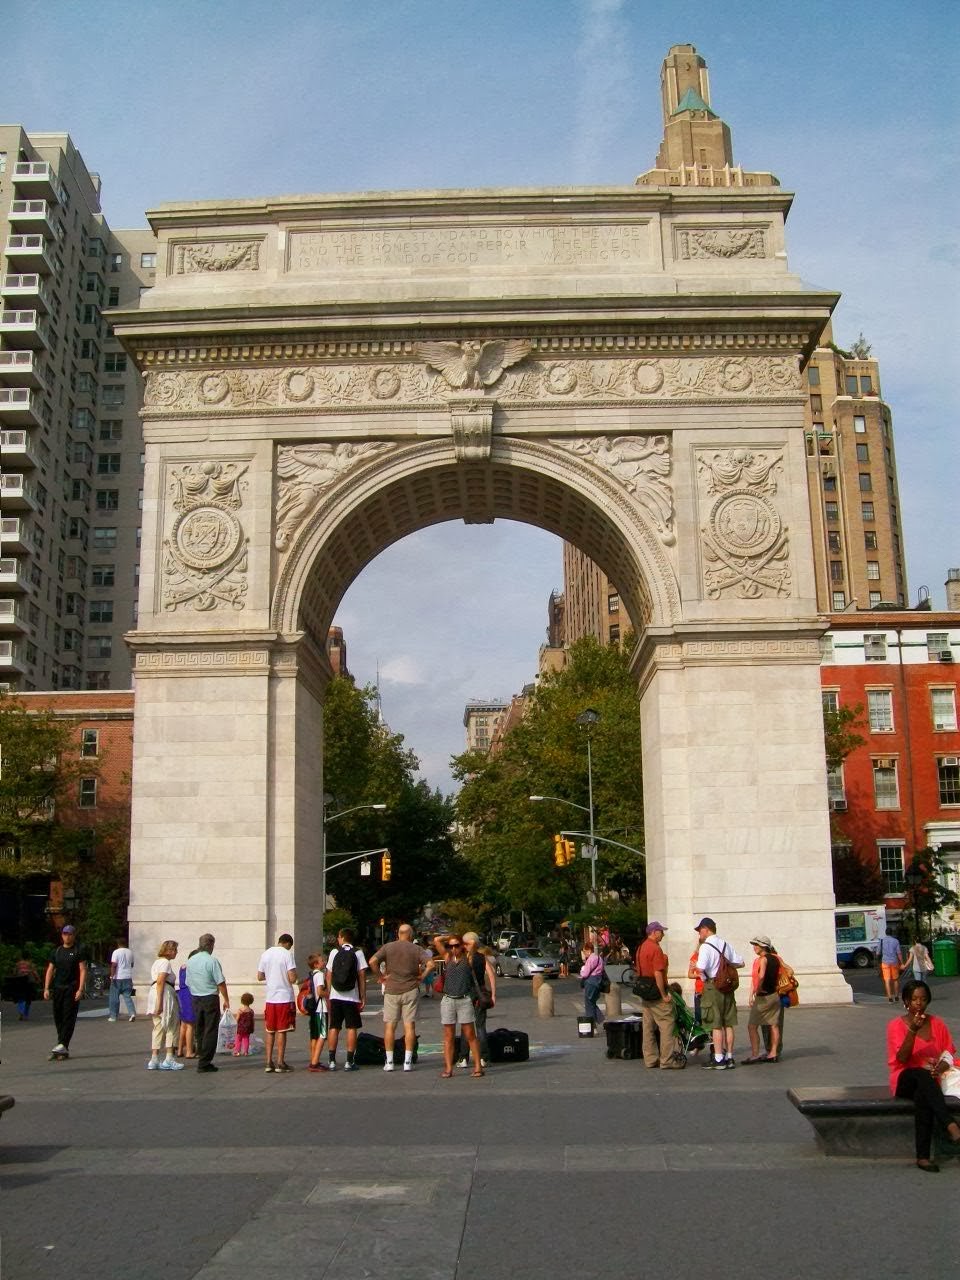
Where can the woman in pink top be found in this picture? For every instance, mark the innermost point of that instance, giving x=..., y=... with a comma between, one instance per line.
x=914, y=1045
x=591, y=976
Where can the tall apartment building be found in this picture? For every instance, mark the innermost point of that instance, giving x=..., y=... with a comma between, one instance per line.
x=70, y=439
x=480, y=720
x=851, y=464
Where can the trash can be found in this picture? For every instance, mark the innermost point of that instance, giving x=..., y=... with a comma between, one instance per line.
x=624, y=1037
x=945, y=958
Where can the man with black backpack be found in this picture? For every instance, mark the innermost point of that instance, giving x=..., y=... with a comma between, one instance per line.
x=717, y=963
x=347, y=975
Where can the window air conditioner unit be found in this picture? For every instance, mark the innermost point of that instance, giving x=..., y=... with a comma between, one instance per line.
x=950, y=761
x=838, y=806
x=945, y=655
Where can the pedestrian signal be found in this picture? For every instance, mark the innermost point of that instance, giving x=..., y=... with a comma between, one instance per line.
x=385, y=867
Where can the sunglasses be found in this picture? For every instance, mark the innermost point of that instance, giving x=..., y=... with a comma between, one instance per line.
x=454, y=946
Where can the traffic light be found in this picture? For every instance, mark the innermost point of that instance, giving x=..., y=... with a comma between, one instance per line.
x=385, y=867
x=559, y=853
x=569, y=852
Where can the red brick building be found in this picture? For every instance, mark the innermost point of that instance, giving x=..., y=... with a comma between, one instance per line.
x=900, y=791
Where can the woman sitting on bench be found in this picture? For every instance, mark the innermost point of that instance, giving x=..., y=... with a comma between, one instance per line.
x=914, y=1045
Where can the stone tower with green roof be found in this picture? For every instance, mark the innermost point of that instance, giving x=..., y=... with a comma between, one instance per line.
x=697, y=149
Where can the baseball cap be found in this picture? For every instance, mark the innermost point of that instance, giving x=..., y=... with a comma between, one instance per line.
x=706, y=923
x=761, y=940
x=68, y=928
x=654, y=925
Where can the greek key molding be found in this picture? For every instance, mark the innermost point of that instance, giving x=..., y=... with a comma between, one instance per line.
x=719, y=242
x=306, y=472
x=641, y=464
x=743, y=538
x=201, y=257
x=204, y=559
x=315, y=388
x=196, y=661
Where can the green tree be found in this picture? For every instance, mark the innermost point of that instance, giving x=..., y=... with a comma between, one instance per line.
x=930, y=896
x=364, y=763
x=854, y=880
x=508, y=840
x=840, y=734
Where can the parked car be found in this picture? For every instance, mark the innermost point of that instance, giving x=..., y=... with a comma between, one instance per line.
x=524, y=962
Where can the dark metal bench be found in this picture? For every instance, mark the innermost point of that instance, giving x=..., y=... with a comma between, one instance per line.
x=863, y=1120
x=6, y=1102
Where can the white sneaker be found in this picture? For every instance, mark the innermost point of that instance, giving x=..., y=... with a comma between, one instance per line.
x=111, y=1019
x=388, y=1065
x=59, y=1048
x=408, y=1066
x=153, y=1065
x=171, y=1064
x=132, y=1018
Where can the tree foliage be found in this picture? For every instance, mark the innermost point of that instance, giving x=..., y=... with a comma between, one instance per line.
x=854, y=880
x=840, y=734
x=364, y=763
x=930, y=896
x=508, y=840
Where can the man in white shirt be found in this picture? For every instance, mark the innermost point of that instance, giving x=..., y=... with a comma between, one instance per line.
x=347, y=979
x=278, y=969
x=121, y=982
x=718, y=1009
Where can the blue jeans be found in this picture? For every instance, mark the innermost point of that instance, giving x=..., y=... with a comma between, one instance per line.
x=121, y=987
x=591, y=989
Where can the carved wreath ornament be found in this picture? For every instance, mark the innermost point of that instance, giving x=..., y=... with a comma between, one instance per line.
x=205, y=557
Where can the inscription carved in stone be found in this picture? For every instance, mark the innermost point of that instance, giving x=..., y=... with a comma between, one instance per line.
x=744, y=540
x=306, y=472
x=721, y=242
x=641, y=464
x=205, y=557
x=216, y=255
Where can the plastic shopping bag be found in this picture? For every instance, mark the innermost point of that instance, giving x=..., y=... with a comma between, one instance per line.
x=227, y=1034
x=950, y=1079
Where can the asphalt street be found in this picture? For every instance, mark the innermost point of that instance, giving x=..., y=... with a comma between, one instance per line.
x=570, y=1163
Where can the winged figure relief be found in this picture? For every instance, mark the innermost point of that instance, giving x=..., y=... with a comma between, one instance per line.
x=305, y=472
x=471, y=365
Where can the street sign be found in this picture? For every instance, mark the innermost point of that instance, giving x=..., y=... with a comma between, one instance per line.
x=588, y=851
x=366, y=867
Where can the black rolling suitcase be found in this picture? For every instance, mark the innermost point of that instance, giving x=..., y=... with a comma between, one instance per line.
x=624, y=1037
x=508, y=1046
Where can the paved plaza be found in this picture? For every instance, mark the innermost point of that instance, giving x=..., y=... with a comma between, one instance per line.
x=570, y=1164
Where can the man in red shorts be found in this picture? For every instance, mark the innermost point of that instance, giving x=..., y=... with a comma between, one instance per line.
x=278, y=969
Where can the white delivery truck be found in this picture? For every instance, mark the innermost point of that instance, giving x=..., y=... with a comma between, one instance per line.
x=859, y=933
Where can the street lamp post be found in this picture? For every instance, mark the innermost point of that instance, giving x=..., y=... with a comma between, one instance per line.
x=328, y=799
x=586, y=720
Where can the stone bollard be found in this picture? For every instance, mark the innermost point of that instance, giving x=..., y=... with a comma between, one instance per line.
x=545, y=1001
x=536, y=982
x=612, y=1007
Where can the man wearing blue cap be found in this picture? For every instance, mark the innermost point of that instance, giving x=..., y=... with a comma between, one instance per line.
x=658, y=1014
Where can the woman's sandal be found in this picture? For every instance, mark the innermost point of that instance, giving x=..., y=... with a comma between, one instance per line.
x=768, y=1059
x=748, y=1062
x=477, y=1074
x=446, y=1075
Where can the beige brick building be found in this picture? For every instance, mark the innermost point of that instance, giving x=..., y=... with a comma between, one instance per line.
x=70, y=438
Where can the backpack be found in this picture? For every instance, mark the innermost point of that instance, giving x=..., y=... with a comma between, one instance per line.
x=306, y=1000
x=726, y=979
x=344, y=970
x=786, y=979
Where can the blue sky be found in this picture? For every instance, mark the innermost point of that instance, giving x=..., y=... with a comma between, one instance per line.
x=854, y=107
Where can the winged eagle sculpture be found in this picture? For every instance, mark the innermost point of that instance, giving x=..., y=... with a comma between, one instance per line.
x=471, y=365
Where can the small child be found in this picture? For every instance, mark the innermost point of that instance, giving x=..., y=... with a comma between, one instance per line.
x=244, y=1026
x=318, y=1020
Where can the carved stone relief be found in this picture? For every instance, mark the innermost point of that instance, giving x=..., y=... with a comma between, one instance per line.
x=305, y=472
x=316, y=387
x=471, y=422
x=641, y=464
x=205, y=557
x=743, y=538
x=720, y=242
x=216, y=255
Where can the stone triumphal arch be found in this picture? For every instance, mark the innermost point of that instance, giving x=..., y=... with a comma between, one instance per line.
x=620, y=366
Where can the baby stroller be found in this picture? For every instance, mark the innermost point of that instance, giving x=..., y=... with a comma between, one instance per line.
x=690, y=1035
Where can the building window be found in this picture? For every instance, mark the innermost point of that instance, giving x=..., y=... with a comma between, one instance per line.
x=859, y=424
x=108, y=464
x=948, y=778
x=875, y=598
x=937, y=642
x=865, y=481
x=831, y=700
x=813, y=375
x=111, y=429
x=79, y=491
x=99, y=647
x=886, y=793
x=836, y=570
x=108, y=499
x=112, y=396
x=148, y=260
x=116, y=261
x=835, y=788
x=87, y=798
x=879, y=706
x=614, y=634
x=101, y=611
x=816, y=404
x=113, y=296
x=829, y=484
x=863, y=453
x=875, y=648
x=90, y=743
x=867, y=513
x=866, y=384
x=873, y=570
x=833, y=541
x=104, y=539
x=839, y=602
x=115, y=362
x=98, y=679
x=870, y=539
x=613, y=603
x=832, y=512
x=852, y=385
x=103, y=575
x=826, y=648
x=891, y=867
x=943, y=704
